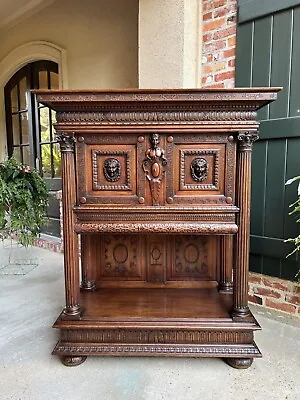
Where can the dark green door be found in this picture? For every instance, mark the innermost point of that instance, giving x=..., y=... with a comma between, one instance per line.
x=268, y=54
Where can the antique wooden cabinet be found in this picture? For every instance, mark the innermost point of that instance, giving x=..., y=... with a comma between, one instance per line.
x=156, y=187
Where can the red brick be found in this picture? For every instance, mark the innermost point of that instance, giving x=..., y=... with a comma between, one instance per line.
x=289, y=308
x=229, y=53
x=221, y=12
x=296, y=289
x=207, y=5
x=213, y=67
x=224, y=75
x=231, y=41
x=231, y=63
x=207, y=37
x=218, y=45
x=254, y=278
x=219, y=3
x=215, y=24
x=275, y=284
x=207, y=16
x=293, y=299
x=255, y=299
x=222, y=33
x=266, y=292
x=213, y=4
x=215, y=86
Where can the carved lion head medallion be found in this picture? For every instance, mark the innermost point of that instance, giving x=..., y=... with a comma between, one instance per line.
x=112, y=169
x=199, y=169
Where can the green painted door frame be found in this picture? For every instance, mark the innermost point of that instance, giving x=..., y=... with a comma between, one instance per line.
x=268, y=54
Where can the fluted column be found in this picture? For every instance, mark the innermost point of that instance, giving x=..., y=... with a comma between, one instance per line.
x=225, y=284
x=70, y=238
x=88, y=275
x=242, y=239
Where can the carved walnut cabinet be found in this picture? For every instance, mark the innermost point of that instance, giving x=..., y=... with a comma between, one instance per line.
x=156, y=188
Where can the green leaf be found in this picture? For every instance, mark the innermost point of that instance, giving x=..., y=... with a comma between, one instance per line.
x=289, y=181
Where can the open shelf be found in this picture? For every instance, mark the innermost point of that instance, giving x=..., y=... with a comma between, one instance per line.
x=153, y=304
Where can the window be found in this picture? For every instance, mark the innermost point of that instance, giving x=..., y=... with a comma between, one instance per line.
x=30, y=132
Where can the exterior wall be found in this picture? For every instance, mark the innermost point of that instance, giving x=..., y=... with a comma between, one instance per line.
x=278, y=294
x=219, y=39
x=169, y=43
x=100, y=39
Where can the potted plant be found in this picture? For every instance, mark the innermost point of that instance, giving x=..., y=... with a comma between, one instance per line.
x=23, y=202
x=295, y=210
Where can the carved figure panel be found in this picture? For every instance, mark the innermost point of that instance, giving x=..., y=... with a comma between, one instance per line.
x=154, y=167
x=193, y=258
x=120, y=257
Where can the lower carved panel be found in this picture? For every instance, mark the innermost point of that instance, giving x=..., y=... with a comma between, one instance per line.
x=194, y=257
x=120, y=258
x=155, y=336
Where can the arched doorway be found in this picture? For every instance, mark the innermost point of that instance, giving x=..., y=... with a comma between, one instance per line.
x=30, y=133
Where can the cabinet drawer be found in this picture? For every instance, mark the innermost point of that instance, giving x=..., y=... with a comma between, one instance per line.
x=107, y=169
x=201, y=169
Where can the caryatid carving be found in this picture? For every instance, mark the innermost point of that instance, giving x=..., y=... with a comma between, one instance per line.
x=153, y=165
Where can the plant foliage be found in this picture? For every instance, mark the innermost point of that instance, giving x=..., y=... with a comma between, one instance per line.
x=23, y=202
x=295, y=210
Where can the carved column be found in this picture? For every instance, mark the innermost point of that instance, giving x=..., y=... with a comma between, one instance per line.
x=70, y=237
x=225, y=284
x=88, y=277
x=242, y=239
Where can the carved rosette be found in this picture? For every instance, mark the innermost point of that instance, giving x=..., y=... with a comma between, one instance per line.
x=154, y=167
x=246, y=140
x=66, y=142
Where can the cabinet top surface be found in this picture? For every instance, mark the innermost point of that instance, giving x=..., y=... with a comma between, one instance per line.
x=61, y=100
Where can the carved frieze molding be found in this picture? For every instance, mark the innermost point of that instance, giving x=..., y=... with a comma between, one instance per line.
x=172, y=96
x=156, y=217
x=140, y=227
x=192, y=350
x=155, y=116
x=67, y=142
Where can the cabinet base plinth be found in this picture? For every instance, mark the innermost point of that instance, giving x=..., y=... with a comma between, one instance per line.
x=132, y=322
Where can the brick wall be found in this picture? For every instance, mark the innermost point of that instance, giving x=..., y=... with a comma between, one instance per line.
x=275, y=293
x=219, y=39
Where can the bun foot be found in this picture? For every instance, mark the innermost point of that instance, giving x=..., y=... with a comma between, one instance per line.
x=239, y=363
x=72, y=361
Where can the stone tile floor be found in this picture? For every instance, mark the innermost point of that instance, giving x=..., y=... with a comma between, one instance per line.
x=30, y=303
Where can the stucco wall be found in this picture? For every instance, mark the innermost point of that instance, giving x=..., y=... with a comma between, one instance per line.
x=100, y=38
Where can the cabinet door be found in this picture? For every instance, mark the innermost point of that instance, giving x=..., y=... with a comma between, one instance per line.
x=201, y=169
x=107, y=169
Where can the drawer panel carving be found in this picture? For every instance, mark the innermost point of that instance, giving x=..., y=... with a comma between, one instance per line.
x=120, y=258
x=112, y=170
x=108, y=172
x=192, y=258
x=200, y=173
